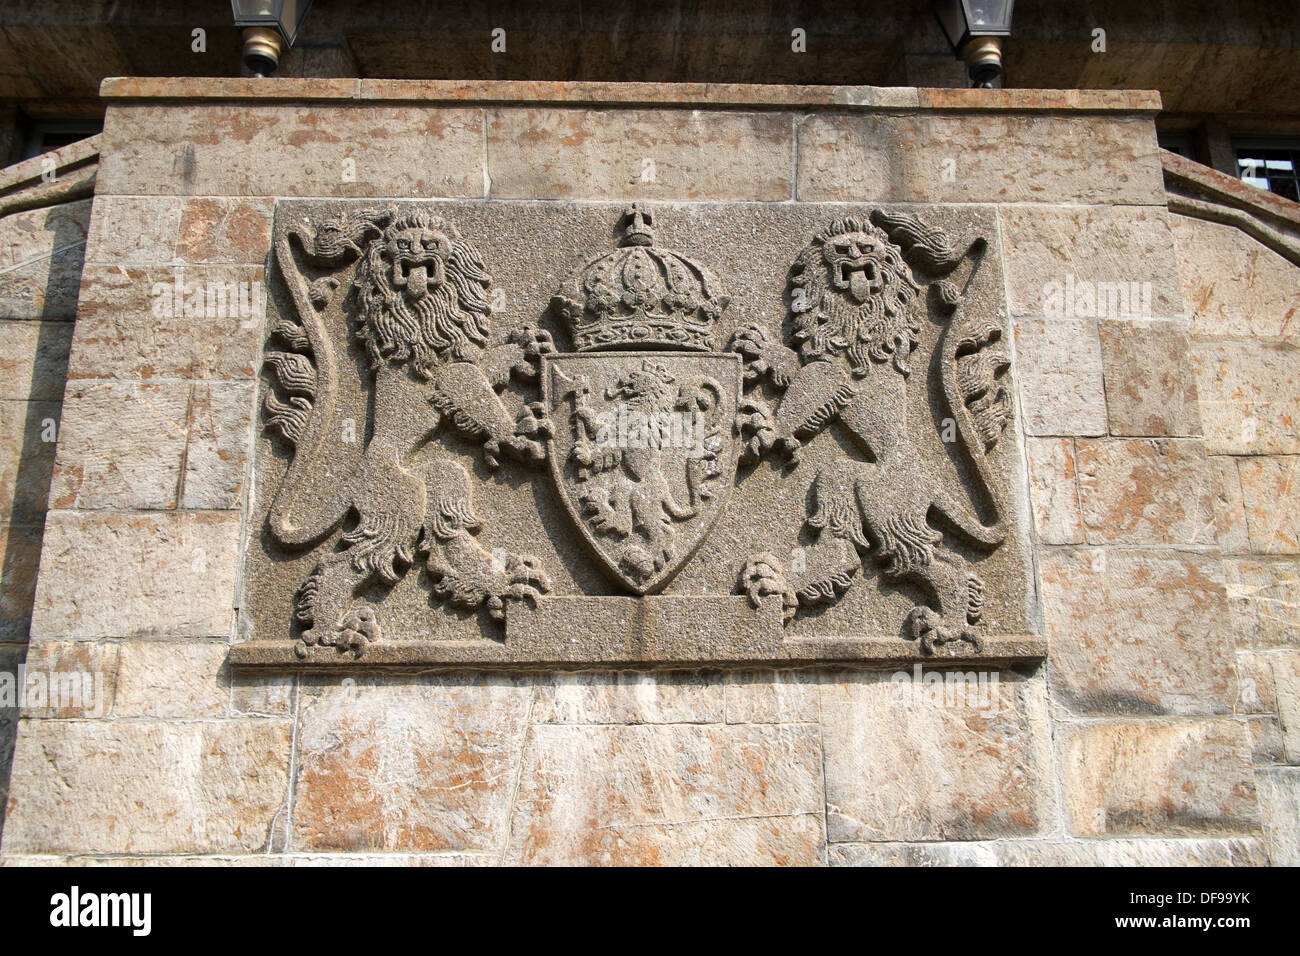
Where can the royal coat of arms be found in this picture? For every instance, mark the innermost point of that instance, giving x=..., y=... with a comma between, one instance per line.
x=409, y=422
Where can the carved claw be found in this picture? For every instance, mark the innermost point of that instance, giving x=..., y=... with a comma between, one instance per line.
x=932, y=630
x=763, y=356
x=763, y=575
x=356, y=630
x=754, y=426
x=526, y=581
x=535, y=343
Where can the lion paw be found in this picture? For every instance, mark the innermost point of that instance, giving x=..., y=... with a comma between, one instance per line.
x=532, y=428
x=520, y=579
x=928, y=626
x=762, y=356
x=763, y=575
x=357, y=629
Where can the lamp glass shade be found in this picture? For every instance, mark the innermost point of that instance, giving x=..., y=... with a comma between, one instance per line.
x=283, y=15
x=963, y=19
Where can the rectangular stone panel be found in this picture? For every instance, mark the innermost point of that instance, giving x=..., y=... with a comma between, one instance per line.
x=571, y=480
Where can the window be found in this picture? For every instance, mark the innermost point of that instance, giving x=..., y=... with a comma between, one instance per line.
x=1272, y=166
x=45, y=135
x=1178, y=142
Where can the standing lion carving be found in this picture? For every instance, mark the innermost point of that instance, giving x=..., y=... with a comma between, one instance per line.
x=855, y=311
x=418, y=308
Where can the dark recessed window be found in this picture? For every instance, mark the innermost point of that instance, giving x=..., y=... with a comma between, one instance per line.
x=45, y=135
x=1272, y=167
x=1180, y=143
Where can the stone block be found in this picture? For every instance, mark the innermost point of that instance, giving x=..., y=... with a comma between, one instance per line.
x=669, y=795
x=1135, y=632
x=1055, y=255
x=902, y=765
x=1270, y=488
x=1265, y=596
x=133, y=230
x=1279, y=808
x=169, y=322
x=1286, y=678
x=628, y=697
x=172, y=680
x=1240, y=851
x=1058, y=364
x=1054, y=490
x=220, y=441
x=148, y=787
x=217, y=230
x=137, y=575
x=772, y=697
x=1185, y=778
x=1150, y=388
x=234, y=149
x=633, y=154
x=1146, y=491
x=40, y=261
x=1233, y=284
x=427, y=765
x=28, y=433
x=1250, y=397
x=1001, y=158
x=1230, y=530
x=122, y=445
x=70, y=679
x=33, y=360
x=20, y=550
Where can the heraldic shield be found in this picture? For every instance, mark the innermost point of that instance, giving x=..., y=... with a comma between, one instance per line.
x=643, y=453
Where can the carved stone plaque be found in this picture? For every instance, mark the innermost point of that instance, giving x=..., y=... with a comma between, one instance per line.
x=535, y=433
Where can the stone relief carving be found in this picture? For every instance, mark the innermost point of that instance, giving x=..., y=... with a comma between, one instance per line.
x=421, y=314
x=410, y=422
x=854, y=310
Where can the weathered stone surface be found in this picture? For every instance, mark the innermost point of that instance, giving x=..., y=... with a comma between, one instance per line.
x=1152, y=777
x=1146, y=491
x=901, y=766
x=121, y=446
x=915, y=854
x=172, y=680
x=628, y=697
x=40, y=265
x=1265, y=596
x=1150, y=389
x=130, y=325
x=772, y=697
x=583, y=154
x=672, y=794
x=270, y=695
x=1233, y=284
x=1250, y=397
x=236, y=231
x=1113, y=852
x=426, y=765
x=133, y=230
x=220, y=438
x=1058, y=364
x=1267, y=748
x=70, y=679
x=1137, y=632
x=233, y=149
x=206, y=786
x=1003, y=159
x=1230, y=531
x=1088, y=244
x=27, y=454
x=1271, y=490
x=1255, y=685
x=263, y=860
x=1279, y=807
x=33, y=360
x=167, y=575
x=20, y=546
x=1054, y=490
x=1286, y=677
x=1240, y=851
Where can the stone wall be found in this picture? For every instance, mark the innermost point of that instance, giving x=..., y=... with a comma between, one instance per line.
x=45, y=204
x=1161, y=728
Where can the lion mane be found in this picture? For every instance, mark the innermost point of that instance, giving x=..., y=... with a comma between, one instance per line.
x=449, y=324
x=828, y=323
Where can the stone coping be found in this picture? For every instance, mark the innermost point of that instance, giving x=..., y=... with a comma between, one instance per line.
x=29, y=172
x=628, y=95
x=1192, y=177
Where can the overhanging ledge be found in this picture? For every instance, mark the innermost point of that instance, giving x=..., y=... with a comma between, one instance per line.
x=628, y=95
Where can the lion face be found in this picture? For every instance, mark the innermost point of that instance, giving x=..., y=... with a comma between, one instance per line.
x=649, y=387
x=851, y=294
x=422, y=293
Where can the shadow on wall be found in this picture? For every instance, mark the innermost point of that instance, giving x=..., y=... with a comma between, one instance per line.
x=39, y=317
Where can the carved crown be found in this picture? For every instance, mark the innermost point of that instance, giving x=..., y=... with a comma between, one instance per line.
x=639, y=295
